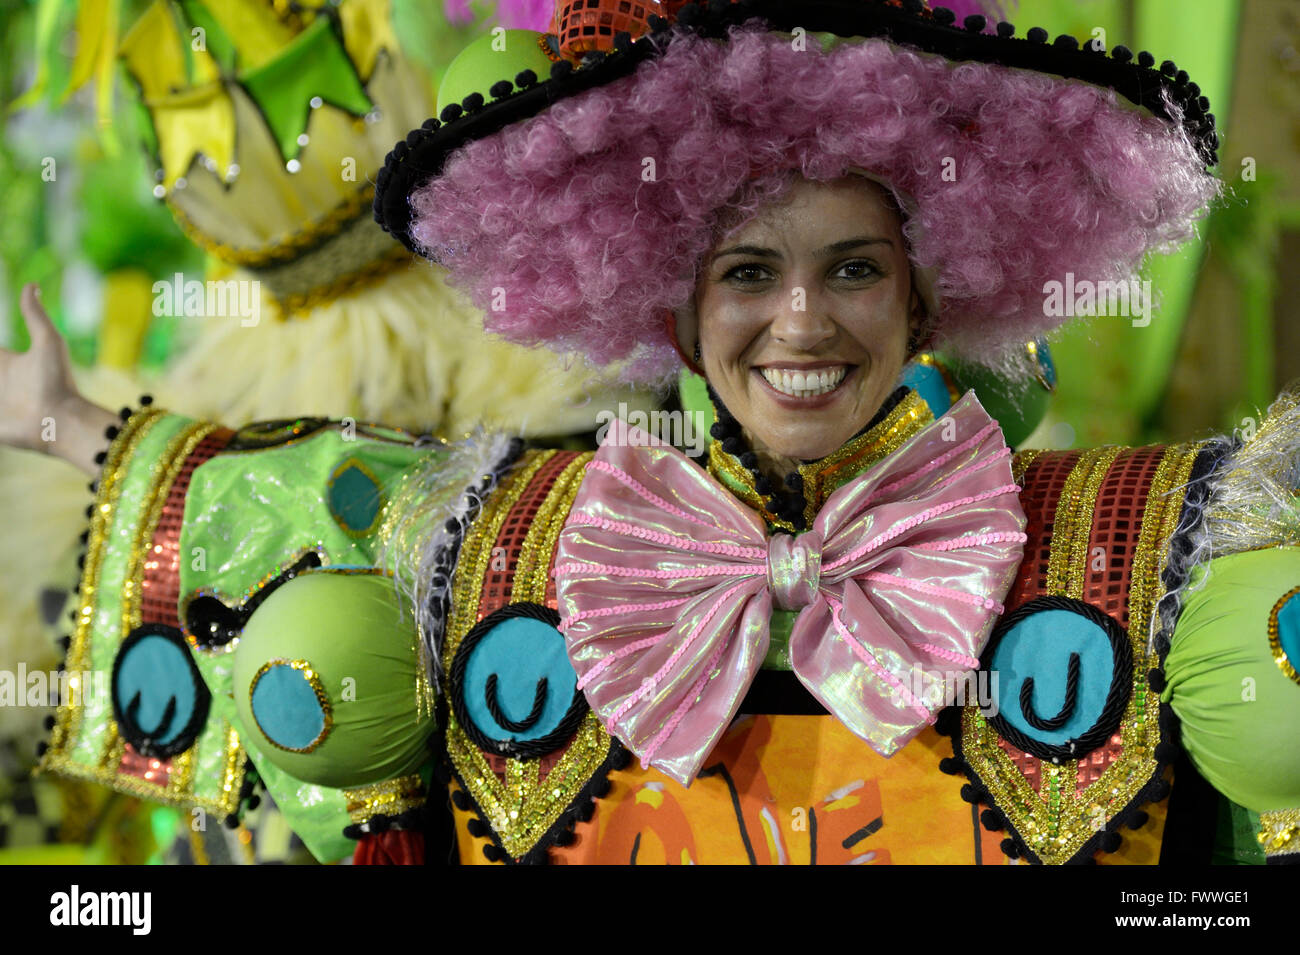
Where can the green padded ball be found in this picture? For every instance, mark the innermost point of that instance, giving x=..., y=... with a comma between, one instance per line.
x=1240, y=711
x=325, y=681
x=490, y=59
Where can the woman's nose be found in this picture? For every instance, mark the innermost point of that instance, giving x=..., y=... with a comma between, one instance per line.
x=803, y=320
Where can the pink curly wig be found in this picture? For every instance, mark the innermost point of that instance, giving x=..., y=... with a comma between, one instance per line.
x=564, y=233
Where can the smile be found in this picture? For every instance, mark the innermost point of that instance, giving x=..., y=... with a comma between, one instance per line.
x=805, y=383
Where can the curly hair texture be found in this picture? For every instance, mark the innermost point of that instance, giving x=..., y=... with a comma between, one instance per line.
x=580, y=227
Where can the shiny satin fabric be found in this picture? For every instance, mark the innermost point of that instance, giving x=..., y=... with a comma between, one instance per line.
x=666, y=586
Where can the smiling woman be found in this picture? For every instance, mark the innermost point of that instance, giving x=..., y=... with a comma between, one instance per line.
x=805, y=316
x=787, y=640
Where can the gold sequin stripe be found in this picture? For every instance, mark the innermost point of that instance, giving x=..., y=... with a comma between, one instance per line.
x=1072, y=521
x=178, y=449
x=1021, y=462
x=390, y=798
x=1284, y=663
x=1279, y=832
x=536, y=554
x=67, y=725
x=476, y=550
x=331, y=224
x=1078, y=566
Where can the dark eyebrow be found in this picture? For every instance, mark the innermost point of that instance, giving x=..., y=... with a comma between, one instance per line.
x=847, y=244
x=843, y=245
x=749, y=251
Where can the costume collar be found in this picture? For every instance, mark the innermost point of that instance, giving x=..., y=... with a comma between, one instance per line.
x=822, y=478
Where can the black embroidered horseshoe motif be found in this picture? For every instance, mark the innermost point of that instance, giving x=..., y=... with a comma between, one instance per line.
x=1067, y=709
x=515, y=726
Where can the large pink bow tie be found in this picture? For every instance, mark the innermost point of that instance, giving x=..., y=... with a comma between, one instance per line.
x=666, y=586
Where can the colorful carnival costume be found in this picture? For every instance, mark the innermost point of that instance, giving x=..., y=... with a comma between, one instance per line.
x=624, y=657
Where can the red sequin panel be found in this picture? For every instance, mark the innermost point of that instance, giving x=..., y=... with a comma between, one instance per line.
x=154, y=771
x=160, y=588
x=1041, y=491
x=1116, y=522
x=498, y=584
x=1095, y=763
x=1028, y=765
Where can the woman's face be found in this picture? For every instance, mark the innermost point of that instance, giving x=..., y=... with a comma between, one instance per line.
x=803, y=316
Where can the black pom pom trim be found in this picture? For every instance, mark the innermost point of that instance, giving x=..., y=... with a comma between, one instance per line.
x=1121, y=53
x=1037, y=35
x=993, y=820
x=1010, y=849
x=460, y=800
x=477, y=828
x=494, y=853
x=501, y=89
x=1156, y=680
x=1138, y=819
x=561, y=69
x=950, y=765
x=943, y=16
x=973, y=794
x=525, y=79
x=1006, y=30
x=232, y=821
x=1146, y=60
x=146, y=400
x=450, y=113
x=1110, y=841
x=472, y=102
x=975, y=23
x=1065, y=42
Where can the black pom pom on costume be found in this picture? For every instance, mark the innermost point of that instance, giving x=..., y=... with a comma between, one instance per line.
x=749, y=460
x=732, y=445
x=100, y=458
x=975, y=23
x=1160, y=790
x=472, y=102
x=124, y=413
x=717, y=431
x=41, y=749
x=493, y=854
x=146, y=400
x=452, y=526
x=972, y=793
x=65, y=642
x=254, y=801
x=993, y=820
x=586, y=811
x=1146, y=60
x=1156, y=680
x=950, y=765
x=48, y=722
x=600, y=788
x=1036, y=35
x=794, y=481
x=460, y=800
x=81, y=559
x=1121, y=53
x=1110, y=841
x=1065, y=42
x=1138, y=819
x=111, y=432
x=430, y=124
x=913, y=7
x=1010, y=849
x=1165, y=752
x=560, y=69
x=1006, y=30
x=943, y=16
x=450, y=113
x=565, y=838
x=501, y=89
x=232, y=821
x=476, y=828
x=762, y=485
x=1168, y=68
x=525, y=79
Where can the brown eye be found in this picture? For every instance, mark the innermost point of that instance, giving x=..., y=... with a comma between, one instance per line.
x=859, y=269
x=748, y=273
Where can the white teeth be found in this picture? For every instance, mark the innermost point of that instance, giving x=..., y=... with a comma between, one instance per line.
x=800, y=384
